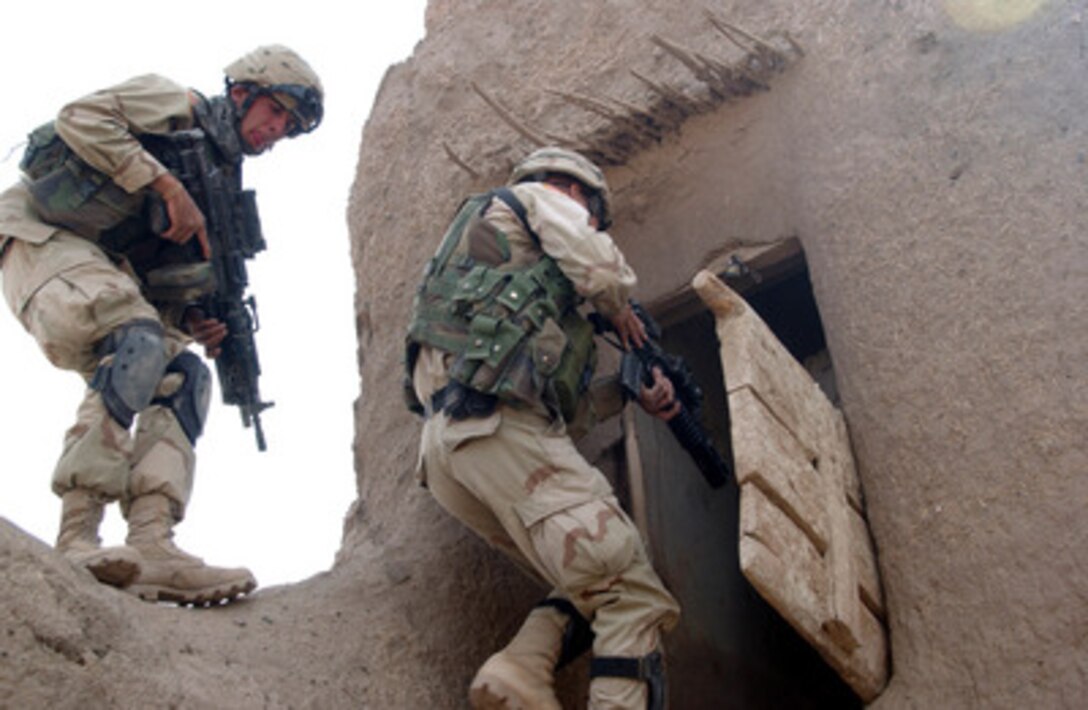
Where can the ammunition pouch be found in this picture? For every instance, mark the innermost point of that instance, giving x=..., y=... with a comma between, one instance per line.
x=68, y=192
x=515, y=333
x=571, y=378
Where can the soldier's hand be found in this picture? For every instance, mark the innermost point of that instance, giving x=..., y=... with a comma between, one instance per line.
x=659, y=399
x=186, y=219
x=629, y=327
x=209, y=332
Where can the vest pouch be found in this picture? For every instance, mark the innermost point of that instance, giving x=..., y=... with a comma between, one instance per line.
x=519, y=290
x=478, y=284
x=539, y=313
x=548, y=346
x=552, y=282
x=491, y=340
x=179, y=283
x=570, y=378
x=486, y=358
x=69, y=193
x=519, y=384
x=45, y=152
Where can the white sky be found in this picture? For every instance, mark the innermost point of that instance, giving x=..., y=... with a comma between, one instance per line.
x=279, y=512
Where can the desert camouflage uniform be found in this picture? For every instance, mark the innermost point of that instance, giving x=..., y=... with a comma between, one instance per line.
x=69, y=295
x=516, y=479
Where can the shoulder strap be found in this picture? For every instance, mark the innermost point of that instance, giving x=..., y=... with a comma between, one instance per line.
x=453, y=233
x=510, y=199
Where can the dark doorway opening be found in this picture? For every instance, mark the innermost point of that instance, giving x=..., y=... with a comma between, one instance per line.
x=731, y=649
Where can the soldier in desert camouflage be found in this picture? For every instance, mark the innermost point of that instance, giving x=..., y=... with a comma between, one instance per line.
x=499, y=363
x=86, y=306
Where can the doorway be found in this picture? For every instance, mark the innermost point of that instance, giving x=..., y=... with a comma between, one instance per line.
x=731, y=648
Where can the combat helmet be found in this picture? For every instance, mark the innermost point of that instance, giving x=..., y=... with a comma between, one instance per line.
x=279, y=71
x=536, y=165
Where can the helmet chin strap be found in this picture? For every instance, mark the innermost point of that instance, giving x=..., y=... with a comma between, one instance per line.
x=240, y=110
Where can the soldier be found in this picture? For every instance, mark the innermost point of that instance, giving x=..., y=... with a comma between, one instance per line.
x=77, y=286
x=499, y=361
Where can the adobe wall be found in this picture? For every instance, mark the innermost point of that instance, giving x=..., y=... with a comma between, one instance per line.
x=935, y=176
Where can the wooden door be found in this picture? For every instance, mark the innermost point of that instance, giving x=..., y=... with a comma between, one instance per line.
x=804, y=540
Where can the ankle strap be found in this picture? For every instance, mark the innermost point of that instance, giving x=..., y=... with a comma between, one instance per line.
x=649, y=669
x=577, y=637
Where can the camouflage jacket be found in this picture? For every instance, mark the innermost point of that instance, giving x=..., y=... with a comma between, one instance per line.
x=101, y=128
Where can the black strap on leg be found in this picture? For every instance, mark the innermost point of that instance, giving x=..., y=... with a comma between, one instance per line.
x=649, y=669
x=578, y=636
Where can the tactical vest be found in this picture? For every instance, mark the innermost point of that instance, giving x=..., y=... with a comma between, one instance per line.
x=68, y=192
x=515, y=333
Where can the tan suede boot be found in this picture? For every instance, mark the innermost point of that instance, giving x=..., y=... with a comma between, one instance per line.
x=81, y=514
x=169, y=574
x=522, y=675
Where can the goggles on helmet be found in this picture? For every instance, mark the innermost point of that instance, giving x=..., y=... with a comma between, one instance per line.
x=302, y=102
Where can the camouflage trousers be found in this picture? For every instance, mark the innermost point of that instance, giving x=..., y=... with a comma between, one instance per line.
x=69, y=296
x=527, y=491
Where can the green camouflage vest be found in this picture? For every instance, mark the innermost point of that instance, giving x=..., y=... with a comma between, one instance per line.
x=515, y=332
x=70, y=193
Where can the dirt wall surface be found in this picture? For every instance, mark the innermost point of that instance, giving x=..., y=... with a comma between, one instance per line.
x=933, y=168
x=935, y=175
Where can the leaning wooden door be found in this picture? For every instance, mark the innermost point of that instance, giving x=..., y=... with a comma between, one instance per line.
x=804, y=541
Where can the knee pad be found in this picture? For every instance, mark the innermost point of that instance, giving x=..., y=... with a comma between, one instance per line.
x=191, y=401
x=128, y=381
x=650, y=669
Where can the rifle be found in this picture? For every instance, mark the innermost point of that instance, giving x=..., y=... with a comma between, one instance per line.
x=234, y=234
x=636, y=370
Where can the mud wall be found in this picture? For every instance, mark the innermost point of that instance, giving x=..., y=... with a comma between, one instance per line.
x=934, y=174
x=933, y=168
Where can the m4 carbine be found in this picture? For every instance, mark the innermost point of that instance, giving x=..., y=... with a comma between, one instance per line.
x=636, y=370
x=234, y=235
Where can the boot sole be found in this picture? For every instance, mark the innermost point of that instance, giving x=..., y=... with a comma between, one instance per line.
x=209, y=596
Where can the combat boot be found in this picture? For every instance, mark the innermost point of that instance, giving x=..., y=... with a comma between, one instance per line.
x=522, y=675
x=169, y=574
x=78, y=540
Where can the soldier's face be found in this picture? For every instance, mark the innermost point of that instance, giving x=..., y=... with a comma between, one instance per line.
x=266, y=122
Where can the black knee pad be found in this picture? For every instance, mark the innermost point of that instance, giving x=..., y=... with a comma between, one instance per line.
x=650, y=669
x=128, y=381
x=191, y=401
